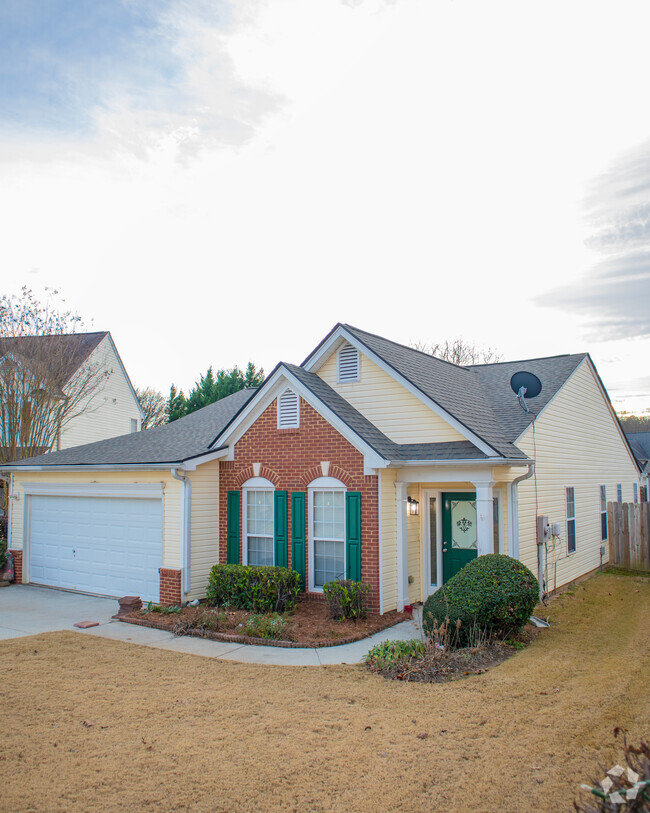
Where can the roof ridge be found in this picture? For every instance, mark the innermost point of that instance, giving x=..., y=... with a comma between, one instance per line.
x=521, y=361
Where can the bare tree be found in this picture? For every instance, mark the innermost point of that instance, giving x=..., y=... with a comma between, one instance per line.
x=460, y=352
x=46, y=375
x=153, y=405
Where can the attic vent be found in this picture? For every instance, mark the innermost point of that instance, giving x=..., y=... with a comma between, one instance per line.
x=348, y=363
x=288, y=410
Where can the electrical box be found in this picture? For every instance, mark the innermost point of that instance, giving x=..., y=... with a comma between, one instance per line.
x=556, y=529
x=543, y=530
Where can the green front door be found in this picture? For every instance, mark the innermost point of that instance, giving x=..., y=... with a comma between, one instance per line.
x=459, y=537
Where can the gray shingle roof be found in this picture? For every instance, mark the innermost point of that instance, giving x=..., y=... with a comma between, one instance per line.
x=183, y=439
x=458, y=390
x=640, y=444
x=70, y=349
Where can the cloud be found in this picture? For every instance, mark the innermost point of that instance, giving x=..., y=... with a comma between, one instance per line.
x=614, y=296
x=126, y=74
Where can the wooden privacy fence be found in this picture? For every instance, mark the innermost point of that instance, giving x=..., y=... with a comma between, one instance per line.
x=628, y=527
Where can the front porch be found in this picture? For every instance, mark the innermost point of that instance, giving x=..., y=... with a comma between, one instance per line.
x=443, y=518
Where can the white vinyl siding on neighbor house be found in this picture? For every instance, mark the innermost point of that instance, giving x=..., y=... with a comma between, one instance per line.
x=578, y=444
x=393, y=409
x=111, y=409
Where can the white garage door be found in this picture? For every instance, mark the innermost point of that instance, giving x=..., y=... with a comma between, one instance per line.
x=110, y=546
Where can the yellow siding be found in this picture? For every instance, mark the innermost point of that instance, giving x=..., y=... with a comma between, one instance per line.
x=576, y=443
x=388, y=539
x=393, y=409
x=108, y=413
x=414, y=549
x=205, y=525
x=171, y=502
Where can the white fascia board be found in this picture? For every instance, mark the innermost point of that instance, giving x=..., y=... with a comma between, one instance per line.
x=491, y=461
x=95, y=467
x=193, y=462
x=313, y=363
x=273, y=387
x=142, y=491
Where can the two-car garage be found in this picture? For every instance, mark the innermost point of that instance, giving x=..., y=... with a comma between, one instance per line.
x=95, y=539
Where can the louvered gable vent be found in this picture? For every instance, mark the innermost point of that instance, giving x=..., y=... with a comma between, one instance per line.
x=348, y=363
x=288, y=410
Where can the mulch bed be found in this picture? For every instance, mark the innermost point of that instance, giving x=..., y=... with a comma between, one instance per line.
x=441, y=666
x=309, y=625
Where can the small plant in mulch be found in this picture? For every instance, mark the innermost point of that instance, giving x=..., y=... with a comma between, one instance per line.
x=201, y=621
x=160, y=608
x=270, y=625
x=624, y=789
x=346, y=599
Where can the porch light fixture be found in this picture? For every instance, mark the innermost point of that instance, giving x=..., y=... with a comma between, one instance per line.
x=412, y=507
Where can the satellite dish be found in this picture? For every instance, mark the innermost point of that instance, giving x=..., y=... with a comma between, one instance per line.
x=525, y=385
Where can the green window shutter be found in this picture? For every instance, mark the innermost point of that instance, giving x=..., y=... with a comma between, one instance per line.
x=232, y=528
x=280, y=527
x=298, y=535
x=353, y=534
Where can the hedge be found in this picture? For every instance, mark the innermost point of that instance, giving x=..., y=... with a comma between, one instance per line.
x=259, y=589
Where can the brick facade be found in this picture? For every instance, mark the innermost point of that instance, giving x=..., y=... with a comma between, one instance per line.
x=291, y=459
x=170, y=586
x=18, y=566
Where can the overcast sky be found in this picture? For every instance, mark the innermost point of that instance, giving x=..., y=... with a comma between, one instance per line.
x=216, y=182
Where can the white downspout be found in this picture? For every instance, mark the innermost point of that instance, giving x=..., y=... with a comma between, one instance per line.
x=513, y=511
x=186, y=529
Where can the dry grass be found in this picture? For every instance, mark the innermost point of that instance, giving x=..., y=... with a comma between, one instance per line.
x=95, y=725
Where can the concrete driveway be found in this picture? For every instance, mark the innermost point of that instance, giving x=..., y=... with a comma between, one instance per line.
x=28, y=610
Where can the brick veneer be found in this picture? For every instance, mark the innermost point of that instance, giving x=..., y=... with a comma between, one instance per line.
x=170, y=586
x=290, y=459
x=18, y=565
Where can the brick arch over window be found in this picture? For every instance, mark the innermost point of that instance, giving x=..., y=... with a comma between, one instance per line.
x=314, y=472
x=248, y=472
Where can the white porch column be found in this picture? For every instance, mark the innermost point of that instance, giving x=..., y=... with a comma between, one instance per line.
x=484, y=517
x=402, y=546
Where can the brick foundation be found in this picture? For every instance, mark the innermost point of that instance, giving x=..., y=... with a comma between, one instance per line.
x=170, y=586
x=18, y=565
x=290, y=459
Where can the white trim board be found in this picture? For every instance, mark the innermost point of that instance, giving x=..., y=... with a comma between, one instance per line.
x=142, y=491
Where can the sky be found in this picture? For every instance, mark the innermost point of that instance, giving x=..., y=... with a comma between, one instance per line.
x=217, y=182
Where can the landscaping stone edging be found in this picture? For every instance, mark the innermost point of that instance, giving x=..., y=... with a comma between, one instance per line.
x=245, y=639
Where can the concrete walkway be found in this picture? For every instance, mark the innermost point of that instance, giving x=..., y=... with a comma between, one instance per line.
x=29, y=610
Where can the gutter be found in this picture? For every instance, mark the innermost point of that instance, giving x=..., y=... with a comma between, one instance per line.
x=186, y=528
x=93, y=467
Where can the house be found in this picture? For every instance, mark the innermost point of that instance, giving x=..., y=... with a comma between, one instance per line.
x=87, y=368
x=640, y=444
x=369, y=460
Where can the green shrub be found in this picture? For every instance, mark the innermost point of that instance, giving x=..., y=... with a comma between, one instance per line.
x=163, y=609
x=258, y=589
x=493, y=595
x=346, y=599
x=266, y=626
x=393, y=653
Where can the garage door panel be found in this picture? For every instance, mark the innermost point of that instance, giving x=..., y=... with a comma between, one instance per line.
x=102, y=545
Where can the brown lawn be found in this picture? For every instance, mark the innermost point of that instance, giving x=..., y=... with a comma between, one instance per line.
x=94, y=725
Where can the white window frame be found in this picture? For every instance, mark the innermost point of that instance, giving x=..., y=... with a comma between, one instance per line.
x=570, y=518
x=346, y=347
x=295, y=423
x=619, y=492
x=323, y=484
x=603, y=512
x=255, y=484
x=134, y=425
x=635, y=491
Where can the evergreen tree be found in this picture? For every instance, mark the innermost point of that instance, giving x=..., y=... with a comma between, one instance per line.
x=212, y=387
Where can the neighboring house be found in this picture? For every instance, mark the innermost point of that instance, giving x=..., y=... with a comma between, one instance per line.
x=370, y=460
x=110, y=409
x=640, y=443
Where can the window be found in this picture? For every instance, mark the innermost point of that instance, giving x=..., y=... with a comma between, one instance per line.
x=603, y=513
x=348, y=364
x=134, y=425
x=570, y=520
x=327, y=519
x=619, y=492
x=288, y=410
x=635, y=489
x=258, y=526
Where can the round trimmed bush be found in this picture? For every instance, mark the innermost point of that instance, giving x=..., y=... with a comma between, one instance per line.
x=492, y=595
